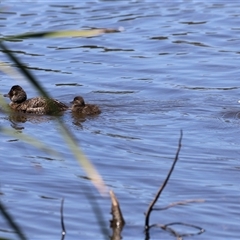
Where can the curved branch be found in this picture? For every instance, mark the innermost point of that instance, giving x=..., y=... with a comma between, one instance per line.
x=150, y=208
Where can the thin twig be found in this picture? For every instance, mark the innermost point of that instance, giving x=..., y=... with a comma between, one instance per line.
x=180, y=203
x=150, y=208
x=181, y=235
x=175, y=233
x=62, y=219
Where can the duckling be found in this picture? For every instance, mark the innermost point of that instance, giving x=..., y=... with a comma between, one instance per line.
x=37, y=105
x=79, y=107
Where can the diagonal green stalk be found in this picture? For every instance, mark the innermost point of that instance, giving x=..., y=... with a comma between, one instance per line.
x=11, y=222
x=67, y=135
x=28, y=139
x=35, y=83
x=64, y=33
x=69, y=138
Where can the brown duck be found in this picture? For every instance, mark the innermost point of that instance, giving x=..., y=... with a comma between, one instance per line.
x=37, y=105
x=79, y=107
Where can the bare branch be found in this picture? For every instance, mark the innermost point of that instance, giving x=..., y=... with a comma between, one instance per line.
x=62, y=220
x=179, y=235
x=180, y=203
x=118, y=220
x=150, y=208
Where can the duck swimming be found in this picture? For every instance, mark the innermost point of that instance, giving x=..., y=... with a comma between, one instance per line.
x=79, y=107
x=37, y=105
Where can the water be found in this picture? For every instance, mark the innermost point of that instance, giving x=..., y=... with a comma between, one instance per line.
x=174, y=67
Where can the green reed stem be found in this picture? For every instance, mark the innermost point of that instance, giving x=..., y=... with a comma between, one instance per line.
x=11, y=222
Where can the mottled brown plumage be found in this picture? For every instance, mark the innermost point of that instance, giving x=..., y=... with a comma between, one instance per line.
x=79, y=107
x=37, y=105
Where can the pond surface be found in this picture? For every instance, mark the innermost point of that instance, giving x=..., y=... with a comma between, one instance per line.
x=175, y=66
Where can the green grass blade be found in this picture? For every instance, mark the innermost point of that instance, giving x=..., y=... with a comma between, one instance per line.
x=9, y=70
x=86, y=164
x=30, y=140
x=66, y=33
x=14, y=226
x=92, y=173
x=24, y=71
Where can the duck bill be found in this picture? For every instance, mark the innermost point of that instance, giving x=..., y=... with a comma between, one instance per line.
x=6, y=95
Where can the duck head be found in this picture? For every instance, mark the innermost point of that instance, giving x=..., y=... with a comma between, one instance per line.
x=79, y=101
x=16, y=94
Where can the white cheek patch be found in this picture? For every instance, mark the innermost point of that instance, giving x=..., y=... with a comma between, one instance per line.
x=238, y=101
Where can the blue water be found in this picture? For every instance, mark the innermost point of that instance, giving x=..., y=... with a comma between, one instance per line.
x=175, y=66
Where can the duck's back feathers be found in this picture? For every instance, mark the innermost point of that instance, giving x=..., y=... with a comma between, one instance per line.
x=40, y=105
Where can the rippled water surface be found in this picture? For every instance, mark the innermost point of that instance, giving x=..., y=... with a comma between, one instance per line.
x=175, y=66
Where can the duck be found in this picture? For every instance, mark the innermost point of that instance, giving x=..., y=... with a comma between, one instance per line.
x=80, y=107
x=37, y=105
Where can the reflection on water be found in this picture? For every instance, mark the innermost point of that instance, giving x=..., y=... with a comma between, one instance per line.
x=78, y=119
x=16, y=117
x=174, y=67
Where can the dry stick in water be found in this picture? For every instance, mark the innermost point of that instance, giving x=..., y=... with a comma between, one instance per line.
x=180, y=203
x=62, y=220
x=150, y=208
x=118, y=220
